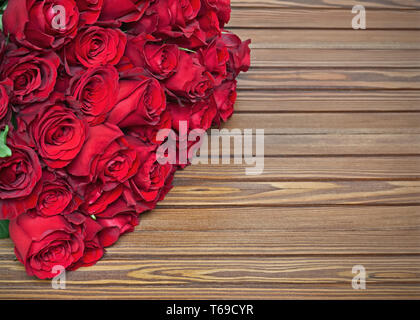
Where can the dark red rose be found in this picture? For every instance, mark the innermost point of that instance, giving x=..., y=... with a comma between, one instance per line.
x=191, y=81
x=116, y=220
x=93, y=248
x=152, y=181
x=36, y=23
x=5, y=89
x=44, y=243
x=97, y=90
x=96, y=46
x=123, y=10
x=141, y=101
x=220, y=7
x=225, y=97
x=240, y=54
x=89, y=10
x=209, y=24
x=148, y=133
x=55, y=130
x=19, y=176
x=197, y=115
x=106, y=161
x=56, y=195
x=33, y=74
x=160, y=59
x=215, y=58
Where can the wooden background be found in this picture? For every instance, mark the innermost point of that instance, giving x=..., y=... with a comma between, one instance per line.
x=341, y=186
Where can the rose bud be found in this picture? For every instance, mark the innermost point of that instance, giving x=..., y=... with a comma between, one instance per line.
x=19, y=176
x=96, y=46
x=42, y=244
x=41, y=24
x=96, y=89
x=33, y=74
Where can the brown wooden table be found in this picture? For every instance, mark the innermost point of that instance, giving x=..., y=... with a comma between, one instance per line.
x=341, y=187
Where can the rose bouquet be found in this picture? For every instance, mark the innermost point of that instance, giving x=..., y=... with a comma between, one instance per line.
x=85, y=88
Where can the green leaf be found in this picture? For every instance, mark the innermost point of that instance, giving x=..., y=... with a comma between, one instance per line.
x=4, y=149
x=187, y=50
x=4, y=229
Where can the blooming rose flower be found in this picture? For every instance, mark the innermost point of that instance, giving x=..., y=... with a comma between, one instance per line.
x=44, y=243
x=225, y=96
x=96, y=89
x=151, y=182
x=89, y=10
x=33, y=74
x=55, y=130
x=37, y=25
x=19, y=176
x=56, y=195
x=123, y=10
x=240, y=56
x=192, y=81
x=146, y=52
x=141, y=101
x=96, y=46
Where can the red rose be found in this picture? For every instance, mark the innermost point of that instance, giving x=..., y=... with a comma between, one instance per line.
x=123, y=10
x=116, y=220
x=33, y=74
x=89, y=10
x=240, y=54
x=221, y=7
x=93, y=248
x=43, y=243
x=160, y=59
x=191, y=81
x=225, y=97
x=55, y=130
x=19, y=176
x=37, y=25
x=152, y=181
x=4, y=99
x=106, y=161
x=56, y=196
x=96, y=46
x=141, y=101
x=96, y=89
x=215, y=58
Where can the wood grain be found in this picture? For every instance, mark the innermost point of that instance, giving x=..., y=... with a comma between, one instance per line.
x=341, y=180
x=322, y=19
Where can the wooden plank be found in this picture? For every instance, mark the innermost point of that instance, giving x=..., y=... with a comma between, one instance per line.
x=192, y=192
x=286, y=292
x=332, y=39
x=334, y=58
x=328, y=123
x=321, y=19
x=274, y=275
x=229, y=243
x=338, y=144
x=347, y=4
x=329, y=101
x=329, y=78
x=311, y=219
x=311, y=169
